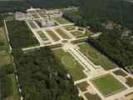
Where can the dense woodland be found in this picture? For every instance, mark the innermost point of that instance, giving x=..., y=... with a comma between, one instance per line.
x=20, y=35
x=13, y=6
x=42, y=77
x=22, y=5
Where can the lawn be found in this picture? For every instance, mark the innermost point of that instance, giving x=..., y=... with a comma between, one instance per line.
x=32, y=24
x=70, y=64
x=62, y=33
x=96, y=57
x=83, y=86
x=108, y=85
x=129, y=81
x=80, y=34
x=120, y=72
x=4, y=58
x=70, y=27
x=9, y=88
x=92, y=97
x=53, y=35
x=61, y=20
x=3, y=40
x=14, y=87
x=42, y=35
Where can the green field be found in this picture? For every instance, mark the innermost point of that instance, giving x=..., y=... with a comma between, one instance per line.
x=83, y=86
x=92, y=96
x=32, y=25
x=73, y=67
x=4, y=58
x=108, y=85
x=3, y=40
x=62, y=20
x=80, y=34
x=62, y=33
x=129, y=81
x=53, y=35
x=70, y=28
x=42, y=35
x=15, y=93
x=120, y=72
x=96, y=57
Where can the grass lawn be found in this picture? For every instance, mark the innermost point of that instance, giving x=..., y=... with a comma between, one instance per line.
x=14, y=94
x=53, y=35
x=32, y=25
x=108, y=85
x=73, y=67
x=35, y=15
x=3, y=40
x=120, y=72
x=96, y=57
x=42, y=35
x=83, y=86
x=92, y=97
x=70, y=28
x=62, y=20
x=80, y=34
x=129, y=81
x=62, y=33
x=4, y=58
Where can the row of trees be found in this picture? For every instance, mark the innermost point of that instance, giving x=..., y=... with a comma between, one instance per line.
x=42, y=77
x=20, y=35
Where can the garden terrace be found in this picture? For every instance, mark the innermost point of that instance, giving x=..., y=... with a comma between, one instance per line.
x=62, y=33
x=129, y=81
x=108, y=85
x=53, y=35
x=61, y=20
x=96, y=57
x=83, y=86
x=80, y=34
x=42, y=35
x=92, y=96
x=70, y=27
x=120, y=72
x=20, y=35
x=70, y=64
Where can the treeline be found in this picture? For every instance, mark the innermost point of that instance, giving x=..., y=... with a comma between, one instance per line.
x=52, y=3
x=20, y=35
x=95, y=12
x=13, y=6
x=22, y=5
x=42, y=77
x=120, y=11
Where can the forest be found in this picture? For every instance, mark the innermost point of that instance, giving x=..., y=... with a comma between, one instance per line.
x=42, y=77
x=13, y=6
x=20, y=35
x=22, y=5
